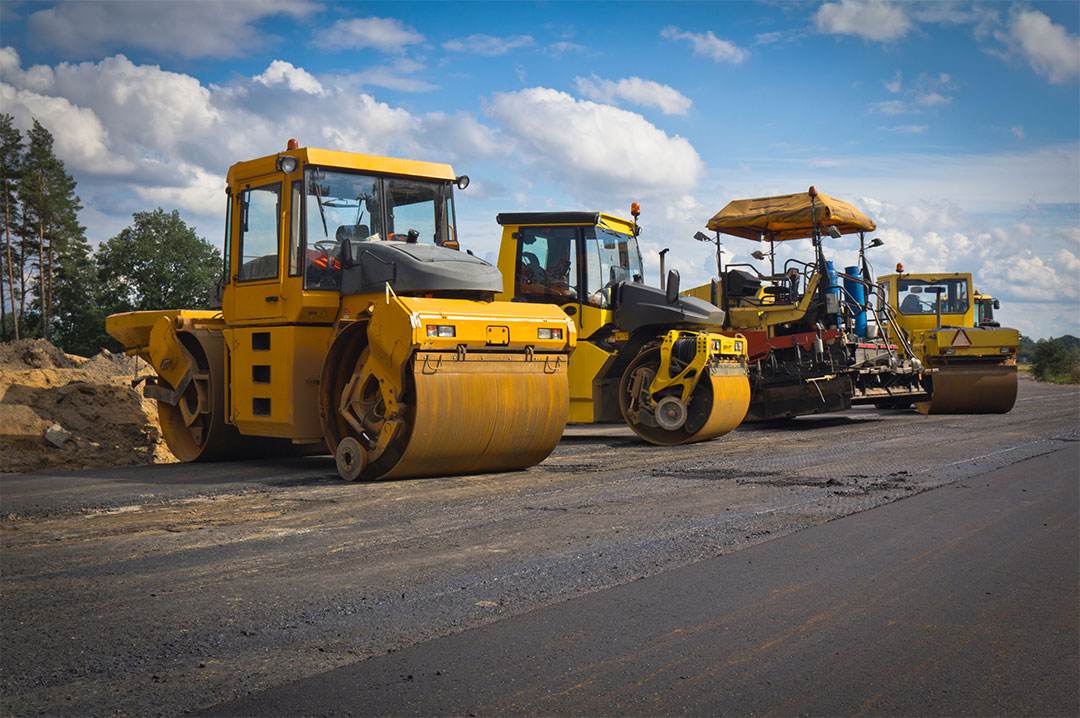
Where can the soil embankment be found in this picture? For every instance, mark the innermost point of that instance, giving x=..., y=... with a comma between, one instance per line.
x=62, y=410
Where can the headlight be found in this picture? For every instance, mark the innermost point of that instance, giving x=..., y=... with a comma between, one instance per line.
x=441, y=330
x=1006, y=350
x=286, y=164
x=738, y=347
x=549, y=333
x=948, y=351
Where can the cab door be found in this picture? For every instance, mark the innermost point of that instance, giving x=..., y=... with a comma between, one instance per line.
x=257, y=273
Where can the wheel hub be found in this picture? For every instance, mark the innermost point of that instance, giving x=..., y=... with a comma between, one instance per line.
x=670, y=413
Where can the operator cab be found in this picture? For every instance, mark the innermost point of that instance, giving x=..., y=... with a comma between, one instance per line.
x=572, y=257
x=341, y=206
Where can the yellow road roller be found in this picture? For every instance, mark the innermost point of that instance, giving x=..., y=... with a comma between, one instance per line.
x=973, y=363
x=350, y=323
x=645, y=356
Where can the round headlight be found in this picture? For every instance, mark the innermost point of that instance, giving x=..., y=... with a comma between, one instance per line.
x=462, y=181
x=287, y=164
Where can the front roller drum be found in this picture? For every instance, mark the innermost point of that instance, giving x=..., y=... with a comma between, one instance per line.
x=460, y=414
x=717, y=404
x=971, y=390
x=486, y=413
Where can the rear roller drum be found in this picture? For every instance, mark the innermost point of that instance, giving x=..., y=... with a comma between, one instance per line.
x=717, y=404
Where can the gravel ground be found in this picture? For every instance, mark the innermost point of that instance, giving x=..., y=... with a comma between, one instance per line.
x=156, y=590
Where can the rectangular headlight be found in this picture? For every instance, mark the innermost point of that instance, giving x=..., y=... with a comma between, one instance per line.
x=441, y=330
x=948, y=351
x=549, y=333
x=1006, y=350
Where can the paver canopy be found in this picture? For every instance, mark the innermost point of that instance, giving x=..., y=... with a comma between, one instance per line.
x=788, y=216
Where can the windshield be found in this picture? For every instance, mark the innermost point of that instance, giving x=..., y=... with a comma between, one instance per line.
x=918, y=296
x=344, y=206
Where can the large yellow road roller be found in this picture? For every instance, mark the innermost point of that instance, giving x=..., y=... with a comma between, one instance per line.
x=973, y=364
x=351, y=323
x=645, y=356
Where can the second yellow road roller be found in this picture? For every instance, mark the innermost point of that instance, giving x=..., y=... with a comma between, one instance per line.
x=973, y=365
x=351, y=323
x=645, y=356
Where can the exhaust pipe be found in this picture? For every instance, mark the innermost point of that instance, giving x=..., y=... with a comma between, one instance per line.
x=663, y=275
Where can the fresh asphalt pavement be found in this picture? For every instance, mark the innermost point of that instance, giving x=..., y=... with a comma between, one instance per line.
x=162, y=590
x=957, y=601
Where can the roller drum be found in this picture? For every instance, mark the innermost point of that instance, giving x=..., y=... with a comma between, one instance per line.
x=717, y=405
x=462, y=414
x=971, y=390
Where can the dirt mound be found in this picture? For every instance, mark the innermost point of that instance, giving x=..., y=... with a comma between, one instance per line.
x=60, y=410
x=35, y=354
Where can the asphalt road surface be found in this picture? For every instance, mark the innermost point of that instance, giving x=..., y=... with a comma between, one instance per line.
x=161, y=590
x=960, y=601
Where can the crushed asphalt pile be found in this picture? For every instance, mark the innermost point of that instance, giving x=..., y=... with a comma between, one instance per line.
x=59, y=410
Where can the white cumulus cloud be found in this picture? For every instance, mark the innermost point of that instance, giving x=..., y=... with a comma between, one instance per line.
x=358, y=33
x=91, y=28
x=281, y=72
x=598, y=145
x=869, y=19
x=1051, y=50
x=636, y=91
x=488, y=45
x=706, y=44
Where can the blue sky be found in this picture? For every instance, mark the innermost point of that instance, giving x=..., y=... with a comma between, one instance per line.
x=953, y=125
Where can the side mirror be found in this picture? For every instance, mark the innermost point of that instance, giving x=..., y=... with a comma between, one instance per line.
x=672, y=286
x=997, y=304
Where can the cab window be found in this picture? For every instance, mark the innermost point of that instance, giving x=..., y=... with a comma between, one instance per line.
x=423, y=207
x=611, y=258
x=339, y=207
x=917, y=296
x=260, y=212
x=547, y=265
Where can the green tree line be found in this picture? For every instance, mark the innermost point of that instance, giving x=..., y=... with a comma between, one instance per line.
x=1056, y=360
x=53, y=285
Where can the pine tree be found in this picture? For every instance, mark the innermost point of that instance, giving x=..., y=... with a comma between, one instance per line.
x=11, y=156
x=50, y=213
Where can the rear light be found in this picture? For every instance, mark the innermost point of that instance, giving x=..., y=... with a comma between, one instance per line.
x=948, y=351
x=1006, y=350
x=441, y=330
x=549, y=333
x=716, y=346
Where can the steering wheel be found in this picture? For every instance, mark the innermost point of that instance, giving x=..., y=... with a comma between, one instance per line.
x=533, y=271
x=326, y=245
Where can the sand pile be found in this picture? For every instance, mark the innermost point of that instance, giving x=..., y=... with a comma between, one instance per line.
x=61, y=410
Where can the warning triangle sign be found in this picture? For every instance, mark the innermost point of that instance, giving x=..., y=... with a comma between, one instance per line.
x=961, y=339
